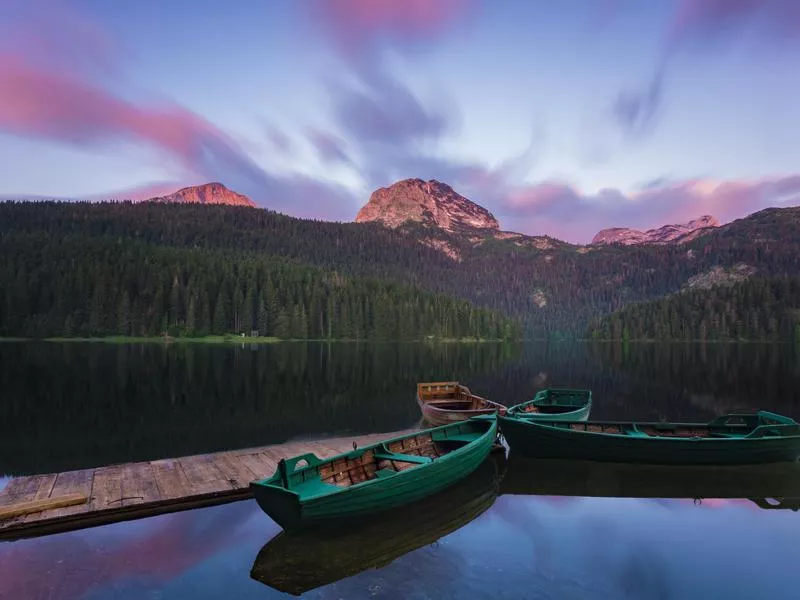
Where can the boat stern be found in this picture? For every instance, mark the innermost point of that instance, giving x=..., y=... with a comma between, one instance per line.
x=281, y=505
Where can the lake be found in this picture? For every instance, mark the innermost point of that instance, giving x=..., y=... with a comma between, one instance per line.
x=537, y=530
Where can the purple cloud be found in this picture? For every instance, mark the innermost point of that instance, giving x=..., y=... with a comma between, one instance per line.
x=696, y=21
x=47, y=95
x=330, y=148
x=560, y=210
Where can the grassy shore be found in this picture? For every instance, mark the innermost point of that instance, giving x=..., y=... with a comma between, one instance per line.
x=207, y=339
x=226, y=339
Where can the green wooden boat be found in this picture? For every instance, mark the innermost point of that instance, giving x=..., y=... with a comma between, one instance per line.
x=748, y=438
x=307, y=490
x=295, y=562
x=555, y=404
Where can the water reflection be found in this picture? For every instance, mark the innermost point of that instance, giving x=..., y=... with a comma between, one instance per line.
x=519, y=546
x=69, y=406
x=556, y=477
x=296, y=562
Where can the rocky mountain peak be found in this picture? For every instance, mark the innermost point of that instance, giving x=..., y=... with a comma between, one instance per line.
x=208, y=193
x=430, y=202
x=667, y=234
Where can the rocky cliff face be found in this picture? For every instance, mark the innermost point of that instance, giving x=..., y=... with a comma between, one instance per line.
x=676, y=234
x=209, y=193
x=427, y=202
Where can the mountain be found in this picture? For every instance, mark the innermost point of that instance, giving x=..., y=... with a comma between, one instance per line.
x=427, y=202
x=208, y=193
x=552, y=288
x=677, y=234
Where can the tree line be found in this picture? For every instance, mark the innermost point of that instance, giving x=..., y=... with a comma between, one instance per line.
x=509, y=276
x=758, y=309
x=77, y=286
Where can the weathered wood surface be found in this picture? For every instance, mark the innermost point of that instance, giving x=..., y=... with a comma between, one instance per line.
x=32, y=506
x=135, y=490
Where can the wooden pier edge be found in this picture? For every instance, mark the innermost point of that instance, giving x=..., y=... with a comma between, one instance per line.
x=136, y=490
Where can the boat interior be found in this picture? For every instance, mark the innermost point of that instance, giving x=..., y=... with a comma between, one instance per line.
x=450, y=396
x=556, y=401
x=309, y=474
x=547, y=409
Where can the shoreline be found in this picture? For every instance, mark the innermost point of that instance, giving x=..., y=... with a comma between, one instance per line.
x=223, y=339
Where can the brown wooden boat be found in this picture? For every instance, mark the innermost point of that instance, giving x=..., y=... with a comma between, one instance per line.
x=449, y=401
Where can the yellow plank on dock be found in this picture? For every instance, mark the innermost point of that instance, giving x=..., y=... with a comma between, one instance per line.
x=34, y=506
x=135, y=490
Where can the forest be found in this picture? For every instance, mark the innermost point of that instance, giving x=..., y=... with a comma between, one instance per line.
x=77, y=286
x=757, y=309
x=552, y=289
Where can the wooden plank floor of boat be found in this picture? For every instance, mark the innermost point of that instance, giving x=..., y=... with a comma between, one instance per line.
x=134, y=490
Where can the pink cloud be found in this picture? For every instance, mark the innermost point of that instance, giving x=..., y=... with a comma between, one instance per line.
x=561, y=211
x=57, y=34
x=356, y=23
x=54, y=61
x=48, y=104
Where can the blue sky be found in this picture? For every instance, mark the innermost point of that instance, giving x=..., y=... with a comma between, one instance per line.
x=561, y=118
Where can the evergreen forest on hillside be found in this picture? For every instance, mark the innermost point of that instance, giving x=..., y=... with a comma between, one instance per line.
x=327, y=275
x=78, y=286
x=752, y=310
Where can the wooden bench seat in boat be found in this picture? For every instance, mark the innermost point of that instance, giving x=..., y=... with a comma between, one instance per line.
x=463, y=437
x=410, y=458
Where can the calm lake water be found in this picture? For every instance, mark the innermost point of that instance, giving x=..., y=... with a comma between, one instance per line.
x=523, y=529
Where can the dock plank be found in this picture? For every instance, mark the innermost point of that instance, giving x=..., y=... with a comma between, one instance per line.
x=260, y=464
x=71, y=482
x=45, y=489
x=170, y=479
x=138, y=484
x=135, y=490
x=20, y=489
x=107, y=489
x=234, y=470
x=203, y=475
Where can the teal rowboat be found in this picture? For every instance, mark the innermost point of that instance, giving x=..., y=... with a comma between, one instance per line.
x=732, y=439
x=306, y=490
x=555, y=404
x=298, y=561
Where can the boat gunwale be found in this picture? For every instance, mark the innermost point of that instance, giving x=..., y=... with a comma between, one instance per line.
x=492, y=406
x=564, y=427
x=492, y=428
x=516, y=410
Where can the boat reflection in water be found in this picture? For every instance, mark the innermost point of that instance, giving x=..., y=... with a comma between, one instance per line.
x=555, y=477
x=296, y=562
x=777, y=503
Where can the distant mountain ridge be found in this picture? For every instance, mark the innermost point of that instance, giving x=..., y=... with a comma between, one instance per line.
x=677, y=234
x=208, y=193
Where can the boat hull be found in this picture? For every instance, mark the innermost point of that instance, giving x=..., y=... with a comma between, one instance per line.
x=450, y=402
x=291, y=512
x=437, y=417
x=537, y=440
x=560, y=398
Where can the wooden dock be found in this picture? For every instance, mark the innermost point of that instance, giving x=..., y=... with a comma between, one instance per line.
x=135, y=490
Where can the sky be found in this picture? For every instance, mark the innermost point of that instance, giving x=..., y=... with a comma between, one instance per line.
x=560, y=118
